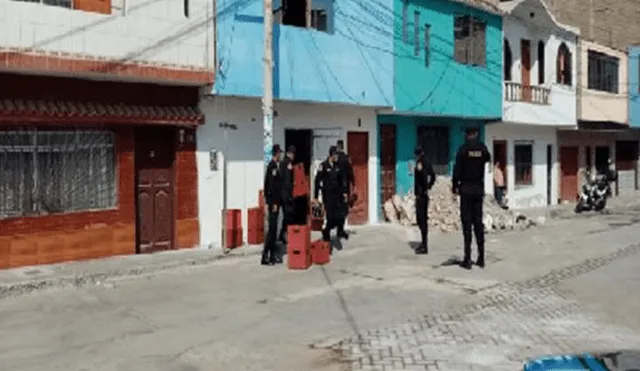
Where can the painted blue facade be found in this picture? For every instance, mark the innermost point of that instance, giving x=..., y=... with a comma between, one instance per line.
x=440, y=92
x=352, y=63
x=634, y=86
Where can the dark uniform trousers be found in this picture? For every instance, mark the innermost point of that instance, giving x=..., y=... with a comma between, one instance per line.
x=270, y=251
x=422, y=216
x=334, y=214
x=471, y=218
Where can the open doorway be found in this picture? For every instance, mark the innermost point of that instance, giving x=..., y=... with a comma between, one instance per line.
x=602, y=159
x=302, y=140
x=292, y=13
x=500, y=155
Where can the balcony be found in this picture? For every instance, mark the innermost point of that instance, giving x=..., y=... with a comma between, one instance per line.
x=516, y=92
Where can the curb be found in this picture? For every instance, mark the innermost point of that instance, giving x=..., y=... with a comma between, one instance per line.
x=81, y=279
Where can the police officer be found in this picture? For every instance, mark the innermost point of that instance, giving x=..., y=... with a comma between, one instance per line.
x=286, y=172
x=345, y=164
x=468, y=182
x=424, y=178
x=272, y=196
x=332, y=180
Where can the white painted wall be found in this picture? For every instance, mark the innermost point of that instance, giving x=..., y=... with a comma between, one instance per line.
x=153, y=32
x=536, y=194
x=562, y=110
x=244, y=149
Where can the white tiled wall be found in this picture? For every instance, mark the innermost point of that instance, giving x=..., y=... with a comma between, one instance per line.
x=153, y=31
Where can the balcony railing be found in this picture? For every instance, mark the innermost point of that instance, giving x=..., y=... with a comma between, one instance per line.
x=516, y=92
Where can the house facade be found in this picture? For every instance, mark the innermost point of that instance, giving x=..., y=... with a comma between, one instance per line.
x=602, y=134
x=539, y=98
x=99, y=105
x=333, y=68
x=448, y=77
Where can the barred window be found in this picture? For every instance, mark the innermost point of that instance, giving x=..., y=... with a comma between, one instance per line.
x=48, y=172
x=470, y=40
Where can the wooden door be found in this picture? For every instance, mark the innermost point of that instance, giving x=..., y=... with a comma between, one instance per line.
x=387, y=161
x=155, y=152
x=358, y=150
x=525, y=56
x=569, y=173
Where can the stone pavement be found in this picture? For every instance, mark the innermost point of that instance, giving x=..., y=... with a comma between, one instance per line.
x=376, y=306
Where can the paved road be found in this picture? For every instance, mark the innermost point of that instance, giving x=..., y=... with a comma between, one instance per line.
x=568, y=285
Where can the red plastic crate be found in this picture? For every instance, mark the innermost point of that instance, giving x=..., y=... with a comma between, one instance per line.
x=321, y=252
x=299, y=247
x=317, y=218
x=234, y=218
x=255, y=218
x=234, y=238
x=300, y=181
x=261, y=199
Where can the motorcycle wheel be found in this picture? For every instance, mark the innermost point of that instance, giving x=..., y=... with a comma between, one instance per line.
x=600, y=206
x=579, y=206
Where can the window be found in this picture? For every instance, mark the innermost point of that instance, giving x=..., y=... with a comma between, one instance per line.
x=60, y=3
x=416, y=33
x=523, y=159
x=470, y=40
x=508, y=60
x=405, y=21
x=563, y=65
x=47, y=172
x=427, y=42
x=319, y=20
x=540, y=63
x=603, y=72
x=186, y=8
x=435, y=142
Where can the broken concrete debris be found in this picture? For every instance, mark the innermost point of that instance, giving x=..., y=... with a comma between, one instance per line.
x=444, y=211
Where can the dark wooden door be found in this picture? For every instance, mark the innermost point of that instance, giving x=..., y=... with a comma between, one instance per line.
x=388, y=161
x=155, y=152
x=358, y=150
x=568, y=173
x=549, y=171
x=525, y=56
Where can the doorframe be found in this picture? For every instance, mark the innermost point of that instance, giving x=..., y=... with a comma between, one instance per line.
x=346, y=144
x=560, y=183
x=549, y=171
x=505, y=165
x=379, y=149
x=174, y=210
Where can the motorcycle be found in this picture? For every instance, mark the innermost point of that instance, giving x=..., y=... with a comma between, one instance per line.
x=595, y=191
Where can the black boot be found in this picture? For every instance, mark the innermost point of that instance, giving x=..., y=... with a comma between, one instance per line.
x=466, y=262
x=343, y=234
x=422, y=249
x=480, y=261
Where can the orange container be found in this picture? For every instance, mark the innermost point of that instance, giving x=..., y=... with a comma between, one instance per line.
x=234, y=238
x=320, y=252
x=234, y=218
x=300, y=181
x=255, y=221
x=299, y=247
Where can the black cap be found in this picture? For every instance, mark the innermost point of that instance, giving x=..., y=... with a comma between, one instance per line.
x=471, y=131
x=333, y=150
x=418, y=151
x=291, y=149
x=275, y=149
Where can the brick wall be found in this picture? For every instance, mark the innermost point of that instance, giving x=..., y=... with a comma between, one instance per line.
x=612, y=23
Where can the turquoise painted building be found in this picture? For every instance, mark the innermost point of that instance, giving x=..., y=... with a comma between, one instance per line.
x=448, y=77
x=634, y=86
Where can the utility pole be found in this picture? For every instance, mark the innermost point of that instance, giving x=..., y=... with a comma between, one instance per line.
x=267, y=99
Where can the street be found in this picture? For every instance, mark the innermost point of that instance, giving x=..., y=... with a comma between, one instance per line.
x=567, y=285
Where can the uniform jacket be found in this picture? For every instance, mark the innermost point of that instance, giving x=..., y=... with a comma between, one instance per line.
x=272, y=184
x=468, y=171
x=424, y=177
x=345, y=163
x=332, y=180
x=286, y=176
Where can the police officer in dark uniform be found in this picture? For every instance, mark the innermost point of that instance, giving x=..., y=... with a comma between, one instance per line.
x=468, y=182
x=424, y=178
x=272, y=196
x=332, y=180
x=286, y=173
x=345, y=164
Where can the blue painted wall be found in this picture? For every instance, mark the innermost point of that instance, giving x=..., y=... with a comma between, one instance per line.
x=406, y=140
x=351, y=64
x=634, y=86
x=445, y=87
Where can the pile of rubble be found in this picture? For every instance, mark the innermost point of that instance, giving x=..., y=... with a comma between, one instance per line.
x=444, y=211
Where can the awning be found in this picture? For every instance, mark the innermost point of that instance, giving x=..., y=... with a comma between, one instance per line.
x=16, y=111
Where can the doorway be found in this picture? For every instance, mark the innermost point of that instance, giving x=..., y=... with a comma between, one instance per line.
x=387, y=162
x=569, y=173
x=302, y=139
x=602, y=159
x=154, y=185
x=500, y=155
x=358, y=150
x=525, y=55
x=549, y=171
